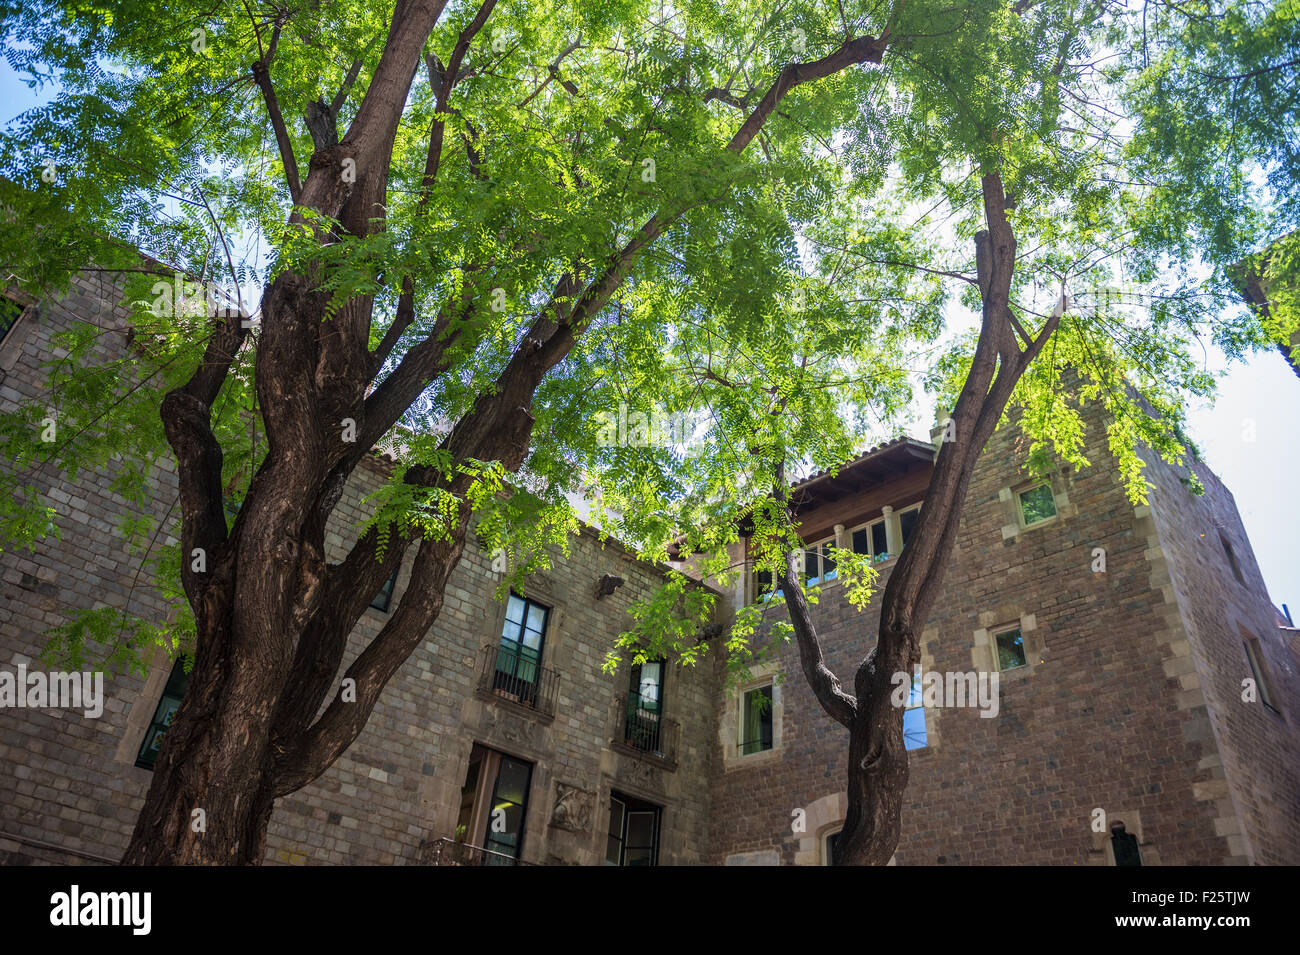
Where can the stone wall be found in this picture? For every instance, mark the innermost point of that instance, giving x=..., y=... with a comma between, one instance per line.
x=69, y=787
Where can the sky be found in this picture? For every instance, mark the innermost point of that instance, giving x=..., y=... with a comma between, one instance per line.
x=1247, y=437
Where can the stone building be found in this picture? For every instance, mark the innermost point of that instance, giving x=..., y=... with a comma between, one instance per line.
x=501, y=739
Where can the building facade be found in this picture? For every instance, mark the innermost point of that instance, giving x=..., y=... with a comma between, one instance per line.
x=1120, y=637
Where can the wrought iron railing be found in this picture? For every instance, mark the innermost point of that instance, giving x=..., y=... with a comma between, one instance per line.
x=649, y=732
x=504, y=673
x=450, y=852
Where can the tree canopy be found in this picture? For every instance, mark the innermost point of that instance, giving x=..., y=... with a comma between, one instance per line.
x=801, y=237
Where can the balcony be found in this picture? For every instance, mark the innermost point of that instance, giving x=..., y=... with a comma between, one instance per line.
x=649, y=734
x=451, y=852
x=507, y=677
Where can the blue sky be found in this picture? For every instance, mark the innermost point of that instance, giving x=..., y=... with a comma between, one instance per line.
x=1257, y=398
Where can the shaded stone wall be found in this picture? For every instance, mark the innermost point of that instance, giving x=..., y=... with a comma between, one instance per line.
x=69, y=787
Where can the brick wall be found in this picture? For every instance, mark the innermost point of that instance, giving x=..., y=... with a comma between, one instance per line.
x=1108, y=714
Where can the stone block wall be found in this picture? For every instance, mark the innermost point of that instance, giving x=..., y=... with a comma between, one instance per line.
x=69, y=787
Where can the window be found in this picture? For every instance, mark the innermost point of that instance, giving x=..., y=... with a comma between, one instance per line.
x=633, y=831
x=818, y=565
x=9, y=313
x=519, y=656
x=763, y=587
x=1125, y=845
x=1037, y=505
x=385, y=595
x=1259, y=673
x=643, y=728
x=1010, y=646
x=177, y=683
x=1232, y=559
x=872, y=540
x=907, y=523
x=756, y=724
x=830, y=847
x=914, y=734
x=493, y=805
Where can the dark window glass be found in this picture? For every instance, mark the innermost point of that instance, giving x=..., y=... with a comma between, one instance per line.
x=879, y=539
x=757, y=728
x=1125, y=845
x=1011, y=650
x=907, y=521
x=177, y=683
x=505, y=829
x=832, y=848
x=9, y=312
x=1037, y=504
x=871, y=540
x=385, y=595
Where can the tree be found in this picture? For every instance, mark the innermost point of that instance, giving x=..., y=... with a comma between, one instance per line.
x=1215, y=98
x=576, y=206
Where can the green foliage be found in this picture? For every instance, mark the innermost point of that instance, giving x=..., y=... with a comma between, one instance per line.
x=801, y=291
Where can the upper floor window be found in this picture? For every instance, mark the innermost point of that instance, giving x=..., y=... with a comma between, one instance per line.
x=871, y=539
x=644, y=727
x=756, y=723
x=1037, y=504
x=177, y=683
x=519, y=656
x=907, y=523
x=818, y=565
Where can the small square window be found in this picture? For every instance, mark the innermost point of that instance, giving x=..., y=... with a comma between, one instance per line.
x=756, y=731
x=1037, y=505
x=1011, y=649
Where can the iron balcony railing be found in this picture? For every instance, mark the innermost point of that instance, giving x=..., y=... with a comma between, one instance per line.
x=507, y=673
x=649, y=732
x=450, y=852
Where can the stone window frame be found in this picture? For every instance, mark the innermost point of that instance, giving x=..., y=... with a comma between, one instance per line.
x=984, y=656
x=1259, y=669
x=141, y=712
x=731, y=725
x=1013, y=517
x=1102, y=851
